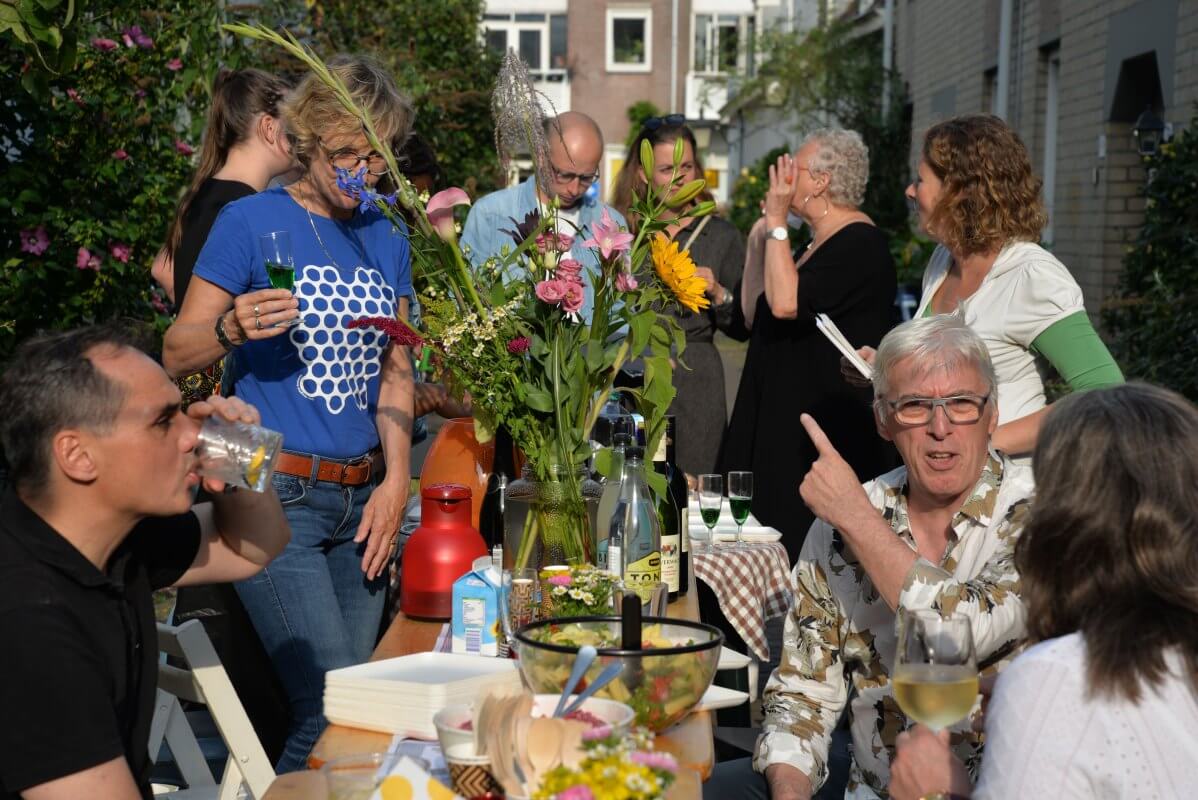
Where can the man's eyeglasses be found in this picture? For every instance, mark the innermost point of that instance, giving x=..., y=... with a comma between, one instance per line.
x=348, y=160
x=584, y=179
x=963, y=409
x=653, y=123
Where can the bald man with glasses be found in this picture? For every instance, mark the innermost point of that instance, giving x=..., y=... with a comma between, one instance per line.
x=575, y=153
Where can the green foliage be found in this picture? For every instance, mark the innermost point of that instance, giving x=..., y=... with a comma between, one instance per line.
x=637, y=113
x=438, y=57
x=43, y=30
x=1153, y=318
x=97, y=158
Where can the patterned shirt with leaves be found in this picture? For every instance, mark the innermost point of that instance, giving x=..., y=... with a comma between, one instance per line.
x=840, y=636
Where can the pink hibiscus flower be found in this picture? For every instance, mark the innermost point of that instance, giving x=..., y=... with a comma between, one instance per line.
x=85, y=260
x=183, y=147
x=119, y=154
x=35, y=241
x=174, y=65
x=120, y=252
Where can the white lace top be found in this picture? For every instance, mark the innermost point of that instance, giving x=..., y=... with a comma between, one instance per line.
x=1046, y=738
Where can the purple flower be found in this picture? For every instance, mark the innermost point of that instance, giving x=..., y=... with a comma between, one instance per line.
x=119, y=154
x=576, y=793
x=139, y=94
x=518, y=345
x=607, y=236
x=625, y=282
x=133, y=35
x=653, y=760
x=560, y=580
x=183, y=147
x=35, y=241
x=523, y=229
x=106, y=45
x=85, y=260
x=120, y=252
x=174, y=65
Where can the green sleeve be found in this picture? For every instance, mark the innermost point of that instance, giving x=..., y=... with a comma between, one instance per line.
x=1072, y=346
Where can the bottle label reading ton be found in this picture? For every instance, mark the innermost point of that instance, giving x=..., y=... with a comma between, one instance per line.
x=640, y=576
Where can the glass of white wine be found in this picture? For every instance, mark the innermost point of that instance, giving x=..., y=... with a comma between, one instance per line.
x=935, y=671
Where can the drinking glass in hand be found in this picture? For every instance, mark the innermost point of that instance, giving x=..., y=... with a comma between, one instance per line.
x=740, y=499
x=280, y=267
x=935, y=671
x=238, y=453
x=711, y=502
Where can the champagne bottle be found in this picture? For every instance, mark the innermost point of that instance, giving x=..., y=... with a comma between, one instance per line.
x=681, y=497
x=635, y=534
x=607, y=504
x=667, y=514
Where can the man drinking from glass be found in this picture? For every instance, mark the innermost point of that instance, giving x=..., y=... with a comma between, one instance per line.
x=937, y=533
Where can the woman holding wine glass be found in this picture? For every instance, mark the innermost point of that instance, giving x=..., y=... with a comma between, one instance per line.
x=1105, y=704
x=341, y=397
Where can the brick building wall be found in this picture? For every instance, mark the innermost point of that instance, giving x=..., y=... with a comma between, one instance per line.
x=947, y=51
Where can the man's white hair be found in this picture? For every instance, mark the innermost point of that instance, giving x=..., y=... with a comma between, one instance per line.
x=941, y=341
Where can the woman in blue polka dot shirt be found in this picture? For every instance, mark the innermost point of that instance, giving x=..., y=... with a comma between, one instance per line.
x=341, y=397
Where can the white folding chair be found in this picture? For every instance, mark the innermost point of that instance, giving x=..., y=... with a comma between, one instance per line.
x=205, y=681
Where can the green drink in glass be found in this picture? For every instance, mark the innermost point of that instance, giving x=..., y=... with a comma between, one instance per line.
x=711, y=500
x=740, y=499
x=280, y=267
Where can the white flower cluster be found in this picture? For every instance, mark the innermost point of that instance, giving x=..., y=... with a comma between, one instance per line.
x=479, y=330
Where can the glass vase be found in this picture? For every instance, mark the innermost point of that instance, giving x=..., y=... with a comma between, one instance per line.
x=550, y=522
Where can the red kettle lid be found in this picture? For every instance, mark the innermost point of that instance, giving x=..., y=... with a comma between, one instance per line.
x=445, y=491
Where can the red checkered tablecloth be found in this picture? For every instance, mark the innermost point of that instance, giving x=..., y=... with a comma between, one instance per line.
x=752, y=585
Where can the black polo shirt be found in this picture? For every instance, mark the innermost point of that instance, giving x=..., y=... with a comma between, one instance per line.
x=79, y=670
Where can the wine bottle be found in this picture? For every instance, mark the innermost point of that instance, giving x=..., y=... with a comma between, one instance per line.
x=667, y=515
x=635, y=535
x=681, y=496
x=607, y=504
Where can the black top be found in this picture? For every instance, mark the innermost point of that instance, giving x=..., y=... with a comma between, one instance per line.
x=699, y=404
x=210, y=198
x=80, y=668
x=790, y=368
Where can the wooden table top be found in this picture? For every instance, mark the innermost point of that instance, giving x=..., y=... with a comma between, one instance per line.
x=690, y=741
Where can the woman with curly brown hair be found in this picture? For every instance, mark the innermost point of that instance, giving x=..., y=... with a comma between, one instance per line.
x=1105, y=704
x=975, y=194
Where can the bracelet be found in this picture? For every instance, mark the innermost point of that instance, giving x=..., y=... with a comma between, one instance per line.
x=221, y=336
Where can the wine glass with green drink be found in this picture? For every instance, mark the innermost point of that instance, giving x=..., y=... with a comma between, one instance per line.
x=740, y=499
x=280, y=267
x=711, y=502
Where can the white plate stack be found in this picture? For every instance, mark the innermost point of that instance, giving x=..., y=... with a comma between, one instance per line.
x=401, y=695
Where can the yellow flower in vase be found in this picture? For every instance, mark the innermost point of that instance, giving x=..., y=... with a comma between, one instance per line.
x=676, y=270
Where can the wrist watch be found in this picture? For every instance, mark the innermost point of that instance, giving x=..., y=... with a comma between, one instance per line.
x=221, y=336
x=725, y=298
x=780, y=233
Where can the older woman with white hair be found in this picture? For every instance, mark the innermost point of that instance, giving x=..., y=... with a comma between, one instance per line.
x=847, y=273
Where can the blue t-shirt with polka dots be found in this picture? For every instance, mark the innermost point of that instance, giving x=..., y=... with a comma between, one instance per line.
x=318, y=384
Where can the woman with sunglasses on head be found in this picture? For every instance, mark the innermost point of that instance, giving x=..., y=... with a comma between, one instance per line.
x=976, y=194
x=718, y=251
x=341, y=397
x=845, y=272
x=1105, y=703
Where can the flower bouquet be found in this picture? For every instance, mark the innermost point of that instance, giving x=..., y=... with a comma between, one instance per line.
x=577, y=592
x=510, y=333
x=613, y=768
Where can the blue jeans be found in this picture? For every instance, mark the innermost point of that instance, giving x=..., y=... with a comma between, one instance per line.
x=312, y=606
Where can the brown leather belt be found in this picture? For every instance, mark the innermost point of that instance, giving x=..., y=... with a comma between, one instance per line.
x=354, y=473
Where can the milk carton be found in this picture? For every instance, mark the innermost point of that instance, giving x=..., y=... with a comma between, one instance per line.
x=475, y=621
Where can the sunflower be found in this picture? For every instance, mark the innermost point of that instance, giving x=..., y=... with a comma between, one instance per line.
x=676, y=270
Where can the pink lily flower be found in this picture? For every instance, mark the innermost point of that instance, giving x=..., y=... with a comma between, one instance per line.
x=625, y=282
x=440, y=210
x=607, y=236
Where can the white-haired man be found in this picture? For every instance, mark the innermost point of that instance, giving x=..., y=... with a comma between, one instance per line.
x=936, y=533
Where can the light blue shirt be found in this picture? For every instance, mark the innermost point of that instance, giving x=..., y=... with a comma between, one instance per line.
x=484, y=230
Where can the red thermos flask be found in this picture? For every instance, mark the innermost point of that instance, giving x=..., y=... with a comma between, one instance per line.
x=440, y=551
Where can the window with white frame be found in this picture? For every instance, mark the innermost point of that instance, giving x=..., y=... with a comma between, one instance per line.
x=629, y=39
x=539, y=39
x=717, y=43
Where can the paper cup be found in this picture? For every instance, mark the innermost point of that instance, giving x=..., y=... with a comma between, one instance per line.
x=470, y=774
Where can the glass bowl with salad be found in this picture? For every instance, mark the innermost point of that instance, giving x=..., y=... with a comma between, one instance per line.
x=662, y=681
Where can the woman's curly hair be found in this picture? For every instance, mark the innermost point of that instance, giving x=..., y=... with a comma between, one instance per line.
x=990, y=196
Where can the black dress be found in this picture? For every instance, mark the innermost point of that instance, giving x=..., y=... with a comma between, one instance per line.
x=790, y=369
x=699, y=407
